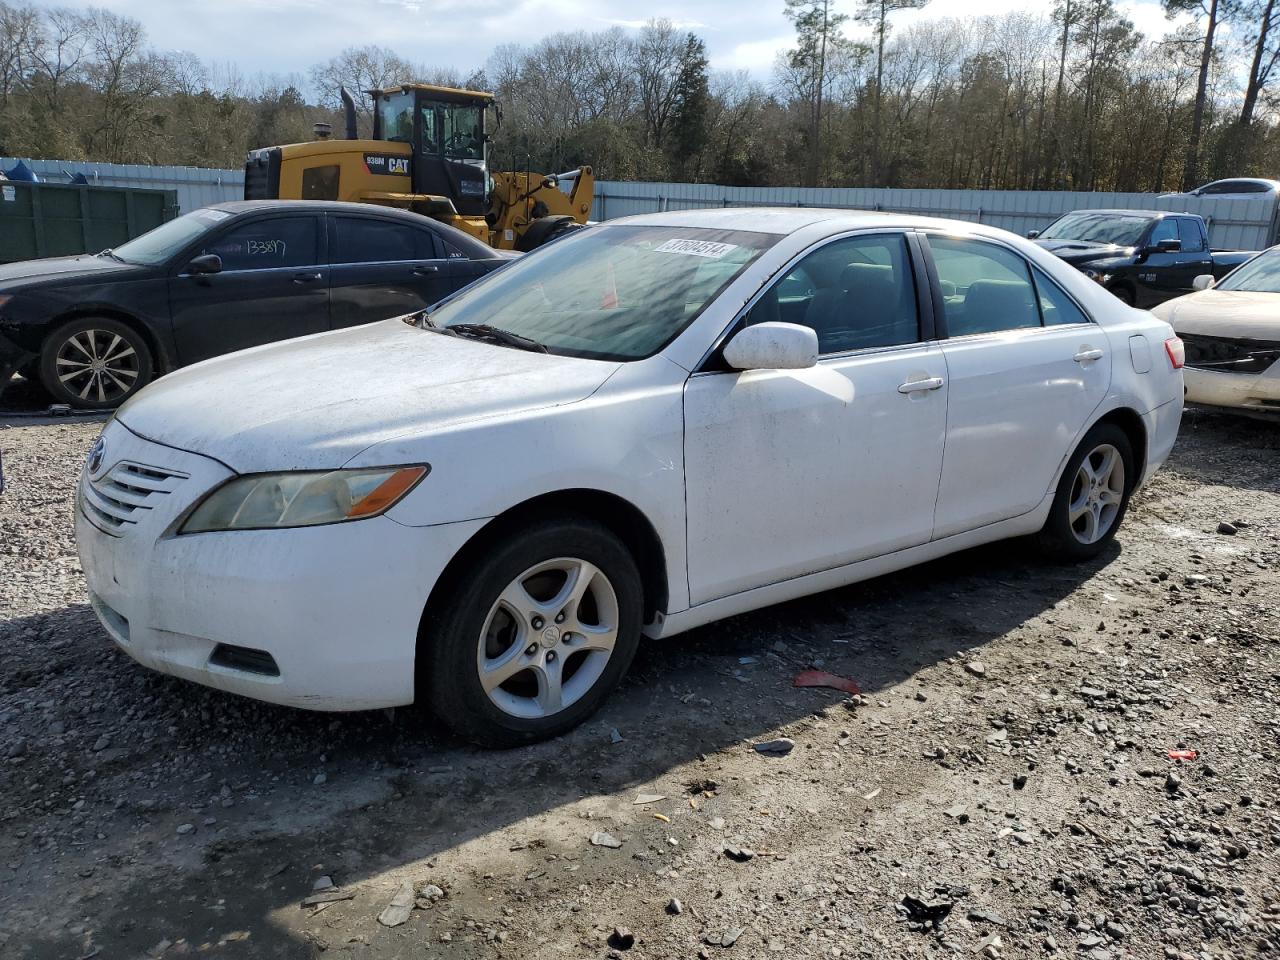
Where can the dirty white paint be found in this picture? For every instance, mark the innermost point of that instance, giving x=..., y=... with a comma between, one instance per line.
x=760, y=484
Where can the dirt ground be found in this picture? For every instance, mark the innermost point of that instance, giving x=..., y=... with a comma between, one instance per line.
x=1002, y=788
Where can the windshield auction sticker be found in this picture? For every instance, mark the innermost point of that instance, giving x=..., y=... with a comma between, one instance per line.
x=697, y=248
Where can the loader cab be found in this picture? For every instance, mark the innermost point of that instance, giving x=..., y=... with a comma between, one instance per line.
x=446, y=128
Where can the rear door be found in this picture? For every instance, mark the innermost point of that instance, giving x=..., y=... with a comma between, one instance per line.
x=382, y=267
x=1026, y=369
x=273, y=285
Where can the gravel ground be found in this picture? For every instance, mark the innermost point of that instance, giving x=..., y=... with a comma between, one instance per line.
x=1002, y=788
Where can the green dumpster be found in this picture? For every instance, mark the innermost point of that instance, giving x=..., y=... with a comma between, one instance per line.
x=58, y=220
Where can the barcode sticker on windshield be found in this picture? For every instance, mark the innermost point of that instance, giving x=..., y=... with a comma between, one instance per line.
x=697, y=248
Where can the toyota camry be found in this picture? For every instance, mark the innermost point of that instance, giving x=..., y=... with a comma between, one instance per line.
x=648, y=426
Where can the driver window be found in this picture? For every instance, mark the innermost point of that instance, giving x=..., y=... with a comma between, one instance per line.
x=1166, y=229
x=263, y=244
x=855, y=293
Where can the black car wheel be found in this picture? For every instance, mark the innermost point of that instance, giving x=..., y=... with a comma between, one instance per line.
x=95, y=363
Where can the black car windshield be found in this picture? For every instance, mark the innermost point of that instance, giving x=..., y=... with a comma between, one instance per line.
x=158, y=245
x=609, y=293
x=1259, y=275
x=1121, y=229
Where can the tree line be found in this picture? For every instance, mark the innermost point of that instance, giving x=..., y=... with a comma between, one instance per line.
x=1076, y=99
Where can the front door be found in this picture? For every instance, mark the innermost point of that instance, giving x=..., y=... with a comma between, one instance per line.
x=1026, y=370
x=273, y=285
x=790, y=472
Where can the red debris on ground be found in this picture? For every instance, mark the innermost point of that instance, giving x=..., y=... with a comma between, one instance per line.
x=820, y=678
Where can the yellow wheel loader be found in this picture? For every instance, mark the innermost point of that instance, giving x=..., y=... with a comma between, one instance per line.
x=429, y=154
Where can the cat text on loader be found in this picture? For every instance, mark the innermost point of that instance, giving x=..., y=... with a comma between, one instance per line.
x=429, y=154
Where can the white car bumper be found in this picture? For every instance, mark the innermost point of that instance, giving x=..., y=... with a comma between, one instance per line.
x=1257, y=393
x=322, y=617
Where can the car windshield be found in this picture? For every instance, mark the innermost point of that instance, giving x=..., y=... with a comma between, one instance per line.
x=611, y=292
x=1259, y=275
x=158, y=245
x=1120, y=229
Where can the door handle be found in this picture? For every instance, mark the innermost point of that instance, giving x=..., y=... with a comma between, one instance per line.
x=306, y=277
x=916, y=386
x=1086, y=354
x=423, y=269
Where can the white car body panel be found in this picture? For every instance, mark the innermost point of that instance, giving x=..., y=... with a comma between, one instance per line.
x=753, y=479
x=759, y=485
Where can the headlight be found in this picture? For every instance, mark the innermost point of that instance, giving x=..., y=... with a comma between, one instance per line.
x=267, y=501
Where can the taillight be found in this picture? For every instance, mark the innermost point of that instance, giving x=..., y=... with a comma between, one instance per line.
x=1176, y=351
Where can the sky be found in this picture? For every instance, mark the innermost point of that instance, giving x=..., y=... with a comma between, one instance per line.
x=288, y=36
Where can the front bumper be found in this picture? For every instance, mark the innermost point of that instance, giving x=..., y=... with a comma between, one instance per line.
x=1256, y=393
x=336, y=608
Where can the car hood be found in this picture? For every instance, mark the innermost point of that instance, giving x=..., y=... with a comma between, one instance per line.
x=316, y=402
x=1239, y=314
x=1083, y=251
x=31, y=272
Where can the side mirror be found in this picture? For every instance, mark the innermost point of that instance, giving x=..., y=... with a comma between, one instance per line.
x=773, y=346
x=204, y=264
x=1165, y=246
x=1032, y=234
x=1205, y=281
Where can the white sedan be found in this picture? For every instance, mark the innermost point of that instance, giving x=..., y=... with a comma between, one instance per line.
x=645, y=427
x=1231, y=330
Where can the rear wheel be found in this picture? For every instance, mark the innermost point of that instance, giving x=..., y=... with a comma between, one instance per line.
x=541, y=629
x=95, y=363
x=1092, y=495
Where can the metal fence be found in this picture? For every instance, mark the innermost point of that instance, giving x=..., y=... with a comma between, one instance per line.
x=1233, y=224
x=196, y=186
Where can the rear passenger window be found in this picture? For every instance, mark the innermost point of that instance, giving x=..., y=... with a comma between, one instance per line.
x=1190, y=235
x=986, y=288
x=855, y=293
x=1055, y=306
x=366, y=240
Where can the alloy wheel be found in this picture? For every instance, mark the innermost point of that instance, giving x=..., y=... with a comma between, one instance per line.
x=97, y=365
x=1097, y=494
x=548, y=638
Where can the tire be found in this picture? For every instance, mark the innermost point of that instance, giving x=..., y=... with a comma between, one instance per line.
x=486, y=623
x=1098, y=507
x=95, y=363
x=1125, y=295
x=544, y=230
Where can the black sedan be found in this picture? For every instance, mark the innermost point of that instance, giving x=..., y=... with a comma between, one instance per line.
x=96, y=329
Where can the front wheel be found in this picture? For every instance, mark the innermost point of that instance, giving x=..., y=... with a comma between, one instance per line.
x=1092, y=495
x=536, y=634
x=95, y=363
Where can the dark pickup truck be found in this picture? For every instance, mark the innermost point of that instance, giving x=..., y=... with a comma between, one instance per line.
x=1144, y=257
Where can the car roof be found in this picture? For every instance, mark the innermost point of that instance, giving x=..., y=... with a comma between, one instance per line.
x=1129, y=212
x=785, y=220
x=472, y=247
x=1274, y=184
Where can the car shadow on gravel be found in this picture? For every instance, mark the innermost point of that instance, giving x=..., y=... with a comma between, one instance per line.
x=396, y=792
x=1204, y=433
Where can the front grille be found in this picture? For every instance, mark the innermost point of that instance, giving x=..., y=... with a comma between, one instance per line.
x=123, y=495
x=1229, y=355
